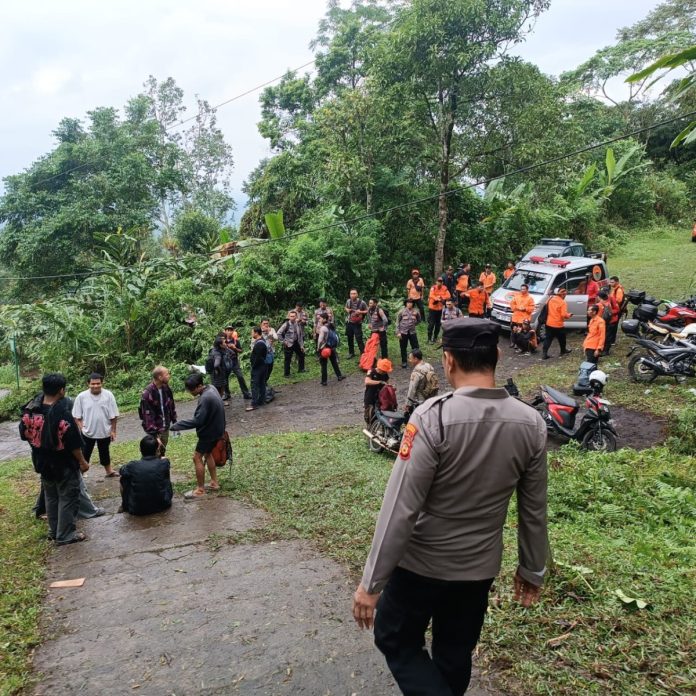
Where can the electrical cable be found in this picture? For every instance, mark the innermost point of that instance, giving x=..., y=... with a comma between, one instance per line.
x=418, y=201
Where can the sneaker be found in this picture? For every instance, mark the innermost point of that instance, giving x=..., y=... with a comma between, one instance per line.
x=526, y=352
x=340, y=378
x=545, y=357
x=404, y=365
x=565, y=352
x=99, y=512
x=323, y=384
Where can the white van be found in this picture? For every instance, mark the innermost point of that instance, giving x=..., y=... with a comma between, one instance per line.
x=544, y=276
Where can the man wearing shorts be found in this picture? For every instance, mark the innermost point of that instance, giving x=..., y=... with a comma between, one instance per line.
x=209, y=422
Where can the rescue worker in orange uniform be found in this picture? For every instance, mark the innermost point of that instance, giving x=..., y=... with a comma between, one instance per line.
x=596, y=335
x=617, y=291
x=436, y=303
x=414, y=290
x=462, y=285
x=487, y=278
x=509, y=270
x=557, y=313
x=522, y=306
x=478, y=301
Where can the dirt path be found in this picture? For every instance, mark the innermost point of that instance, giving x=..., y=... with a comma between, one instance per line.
x=307, y=406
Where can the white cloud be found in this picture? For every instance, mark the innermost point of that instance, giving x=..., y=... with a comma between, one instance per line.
x=50, y=80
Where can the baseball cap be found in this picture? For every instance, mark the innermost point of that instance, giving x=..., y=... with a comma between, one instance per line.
x=462, y=334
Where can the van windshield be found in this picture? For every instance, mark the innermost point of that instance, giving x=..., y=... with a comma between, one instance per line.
x=538, y=282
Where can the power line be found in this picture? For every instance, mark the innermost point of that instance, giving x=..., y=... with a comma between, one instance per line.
x=418, y=201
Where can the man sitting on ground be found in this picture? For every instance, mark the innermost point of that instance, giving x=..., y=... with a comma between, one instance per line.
x=524, y=338
x=145, y=484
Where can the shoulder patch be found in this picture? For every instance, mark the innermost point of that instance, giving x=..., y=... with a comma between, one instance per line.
x=410, y=432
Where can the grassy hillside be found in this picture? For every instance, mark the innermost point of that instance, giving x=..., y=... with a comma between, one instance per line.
x=660, y=260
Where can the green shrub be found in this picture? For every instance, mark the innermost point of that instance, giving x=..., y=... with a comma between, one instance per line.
x=682, y=431
x=671, y=196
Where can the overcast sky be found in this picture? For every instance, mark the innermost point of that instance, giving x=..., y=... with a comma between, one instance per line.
x=63, y=58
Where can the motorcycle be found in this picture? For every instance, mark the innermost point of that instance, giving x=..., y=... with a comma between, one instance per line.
x=665, y=334
x=559, y=411
x=678, y=360
x=385, y=431
x=677, y=314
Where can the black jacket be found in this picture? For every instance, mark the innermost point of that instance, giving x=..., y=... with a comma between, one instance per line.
x=258, y=354
x=146, y=486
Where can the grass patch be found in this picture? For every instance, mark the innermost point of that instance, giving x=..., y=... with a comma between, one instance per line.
x=24, y=548
x=659, y=260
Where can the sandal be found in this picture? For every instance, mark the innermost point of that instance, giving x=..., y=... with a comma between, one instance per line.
x=113, y=474
x=208, y=487
x=193, y=495
x=79, y=536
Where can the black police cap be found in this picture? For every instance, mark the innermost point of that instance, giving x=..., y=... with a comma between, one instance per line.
x=462, y=334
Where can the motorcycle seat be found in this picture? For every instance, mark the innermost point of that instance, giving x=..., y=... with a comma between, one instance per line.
x=661, y=327
x=559, y=397
x=392, y=414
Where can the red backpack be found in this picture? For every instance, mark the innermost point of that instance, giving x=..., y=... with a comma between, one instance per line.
x=386, y=399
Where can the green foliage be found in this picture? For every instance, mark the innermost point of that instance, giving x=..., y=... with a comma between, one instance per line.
x=196, y=232
x=671, y=197
x=683, y=431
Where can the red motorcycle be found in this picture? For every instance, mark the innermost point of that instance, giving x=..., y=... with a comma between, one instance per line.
x=677, y=314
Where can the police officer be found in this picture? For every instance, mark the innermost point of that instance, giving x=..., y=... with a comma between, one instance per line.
x=438, y=541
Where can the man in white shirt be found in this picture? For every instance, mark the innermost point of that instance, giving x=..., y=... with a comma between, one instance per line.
x=96, y=413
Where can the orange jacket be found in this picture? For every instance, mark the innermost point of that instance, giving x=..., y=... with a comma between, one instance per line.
x=478, y=299
x=557, y=312
x=508, y=272
x=437, y=297
x=488, y=281
x=596, y=331
x=522, y=307
x=618, y=292
x=463, y=283
x=415, y=290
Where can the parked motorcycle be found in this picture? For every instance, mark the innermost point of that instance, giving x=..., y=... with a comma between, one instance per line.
x=595, y=431
x=666, y=334
x=677, y=314
x=385, y=431
x=678, y=360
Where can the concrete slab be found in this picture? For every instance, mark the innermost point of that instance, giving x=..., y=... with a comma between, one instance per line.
x=165, y=612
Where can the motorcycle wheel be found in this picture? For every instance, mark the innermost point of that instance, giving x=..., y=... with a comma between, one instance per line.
x=639, y=371
x=599, y=441
x=377, y=429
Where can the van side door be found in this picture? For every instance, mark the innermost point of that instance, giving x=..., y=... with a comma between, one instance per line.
x=576, y=299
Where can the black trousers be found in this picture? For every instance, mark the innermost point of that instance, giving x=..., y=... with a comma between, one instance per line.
x=407, y=605
x=404, y=340
x=434, y=322
x=258, y=385
x=269, y=370
x=323, y=362
x=102, y=444
x=383, y=348
x=354, y=333
x=289, y=351
x=237, y=372
x=551, y=332
x=419, y=305
x=611, y=336
x=590, y=356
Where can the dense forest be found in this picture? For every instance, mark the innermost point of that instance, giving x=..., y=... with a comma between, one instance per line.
x=419, y=139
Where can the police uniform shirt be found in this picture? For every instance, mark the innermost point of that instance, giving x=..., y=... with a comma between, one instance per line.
x=446, y=501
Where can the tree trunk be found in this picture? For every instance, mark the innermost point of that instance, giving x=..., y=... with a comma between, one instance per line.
x=442, y=207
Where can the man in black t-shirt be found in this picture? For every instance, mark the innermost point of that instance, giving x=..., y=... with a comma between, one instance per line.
x=374, y=381
x=145, y=483
x=48, y=426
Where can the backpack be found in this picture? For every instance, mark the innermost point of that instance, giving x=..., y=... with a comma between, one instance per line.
x=607, y=313
x=331, y=339
x=222, y=452
x=431, y=385
x=386, y=400
x=386, y=315
x=210, y=364
x=543, y=315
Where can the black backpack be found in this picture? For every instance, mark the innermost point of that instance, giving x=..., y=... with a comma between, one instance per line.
x=210, y=363
x=332, y=339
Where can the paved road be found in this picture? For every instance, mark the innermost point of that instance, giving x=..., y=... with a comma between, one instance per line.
x=167, y=609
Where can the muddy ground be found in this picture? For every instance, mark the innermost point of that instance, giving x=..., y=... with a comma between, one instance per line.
x=307, y=407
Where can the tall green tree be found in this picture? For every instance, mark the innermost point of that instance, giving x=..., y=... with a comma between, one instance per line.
x=443, y=54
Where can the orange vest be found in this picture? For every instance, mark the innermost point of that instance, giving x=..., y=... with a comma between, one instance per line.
x=557, y=312
x=463, y=283
x=508, y=272
x=596, y=331
x=437, y=297
x=488, y=281
x=522, y=307
x=477, y=300
x=618, y=292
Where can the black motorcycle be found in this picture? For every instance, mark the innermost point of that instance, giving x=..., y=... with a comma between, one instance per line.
x=385, y=431
x=677, y=360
